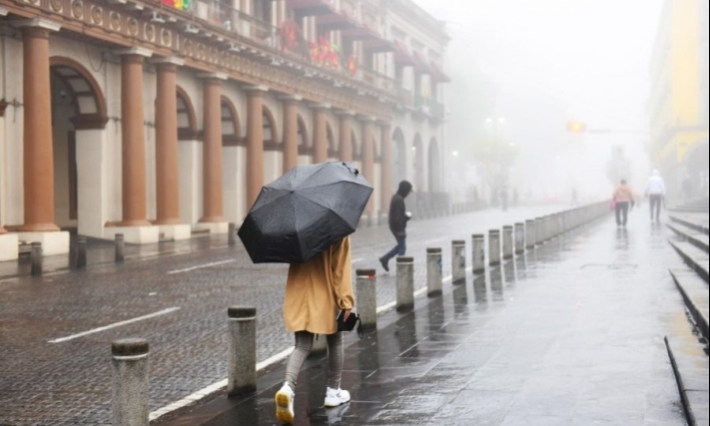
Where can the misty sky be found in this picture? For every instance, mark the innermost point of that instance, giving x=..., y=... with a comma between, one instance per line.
x=539, y=63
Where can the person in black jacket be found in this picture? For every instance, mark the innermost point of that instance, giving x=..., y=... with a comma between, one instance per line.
x=398, y=223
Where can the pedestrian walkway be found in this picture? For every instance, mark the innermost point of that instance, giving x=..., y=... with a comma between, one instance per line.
x=570, y=334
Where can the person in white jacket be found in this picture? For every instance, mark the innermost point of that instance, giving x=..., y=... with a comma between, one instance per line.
x=656, y=193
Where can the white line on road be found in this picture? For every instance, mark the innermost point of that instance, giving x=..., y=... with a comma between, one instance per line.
x=114, y=325
x=359, y=259
x=206, y=265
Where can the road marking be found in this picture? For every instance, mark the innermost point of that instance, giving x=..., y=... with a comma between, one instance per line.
x=215, y=387
x=206, y=265
x=114, y=325
x=359, y=259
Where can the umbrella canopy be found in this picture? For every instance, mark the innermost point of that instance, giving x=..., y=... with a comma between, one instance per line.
x=305, y=212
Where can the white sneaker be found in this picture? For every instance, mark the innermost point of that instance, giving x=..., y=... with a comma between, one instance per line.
x=284, y=404
x=336, y=397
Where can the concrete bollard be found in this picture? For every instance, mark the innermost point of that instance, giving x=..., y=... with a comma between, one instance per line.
x=81, y=253
x=242, y=350
x=434, y=277
x=129, y=402
x=494, y=247
x=479, y=254
x=36, y=259
x=539, y=231
x=366, y=295
x=508, y=242
x=458, y=262
x=120, y=249
x=232, y=236
x=530, y=235
x=405, y=284
x=519, y=238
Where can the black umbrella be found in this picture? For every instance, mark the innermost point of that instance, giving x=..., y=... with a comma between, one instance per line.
x=304, y=212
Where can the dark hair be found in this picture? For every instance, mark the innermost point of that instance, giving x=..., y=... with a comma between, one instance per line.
x=623, y=181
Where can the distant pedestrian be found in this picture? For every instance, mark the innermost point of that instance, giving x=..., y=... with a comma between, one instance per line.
x=398, y=223
x=656, y=193
x=624, y=200
x=317, y=293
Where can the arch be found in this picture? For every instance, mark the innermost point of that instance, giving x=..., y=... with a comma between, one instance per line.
x=333, y=148
x=187, y=123
x=696, y=166
x=230, y=123
x=270, y=135
x=419, y=171
x=88, y=100
x=304, y=144
x=434, y=166
x=357, y=147
x=399, y=156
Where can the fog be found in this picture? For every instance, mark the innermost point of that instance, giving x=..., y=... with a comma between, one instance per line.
x=533, y=66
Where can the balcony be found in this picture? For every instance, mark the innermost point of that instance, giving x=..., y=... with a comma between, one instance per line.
x=406, y=97
x=311, y=7
x=438, y=111
x=377, y=80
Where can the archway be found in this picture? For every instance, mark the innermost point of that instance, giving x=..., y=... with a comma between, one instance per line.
x=273, y=148
x=399, y=157
x=434, y=167
x=305, y=148
x=187, y=123
x=230, y=123
x=696, y=165
x=333, y=148
x=419, y=171
x=78, y=131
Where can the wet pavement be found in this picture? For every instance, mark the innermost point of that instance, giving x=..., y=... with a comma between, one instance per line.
x=570, y=334
x=187, y=287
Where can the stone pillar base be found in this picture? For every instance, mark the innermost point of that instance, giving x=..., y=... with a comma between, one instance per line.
x=53, y=243
x=213, y=227
x=176, y=232
x=134, y=234
x=9, y=247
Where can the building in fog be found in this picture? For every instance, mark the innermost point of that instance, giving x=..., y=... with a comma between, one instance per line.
x=678, y=103
x=159, y=119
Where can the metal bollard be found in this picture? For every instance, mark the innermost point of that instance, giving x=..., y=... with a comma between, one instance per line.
x=494, y=247
x=81, y=253
x=36, y=259
x=434, y=277
x=530, y=234
x=242, y=350
x=405, y=284
x=519, y=238
x=479, y=254
x=232, y=236
x=120, y=248
x=508, y=242
x=458, y=262
x=539, y=231
x=366, y=295
x=129, y=402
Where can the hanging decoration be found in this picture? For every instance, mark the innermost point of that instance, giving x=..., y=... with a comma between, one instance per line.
x=177, y=4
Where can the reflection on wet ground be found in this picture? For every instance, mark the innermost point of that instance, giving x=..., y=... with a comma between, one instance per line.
x=570, y=334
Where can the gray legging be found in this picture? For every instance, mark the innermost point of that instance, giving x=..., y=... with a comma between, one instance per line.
x=304, y=344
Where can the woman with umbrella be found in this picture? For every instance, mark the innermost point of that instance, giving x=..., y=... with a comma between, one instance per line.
x=304, y=219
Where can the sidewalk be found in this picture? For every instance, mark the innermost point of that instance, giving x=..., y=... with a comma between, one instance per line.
x=572, y=334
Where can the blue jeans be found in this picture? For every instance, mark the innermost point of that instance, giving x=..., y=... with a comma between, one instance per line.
x=399, y=250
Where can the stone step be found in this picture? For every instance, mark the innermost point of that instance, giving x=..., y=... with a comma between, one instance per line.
x=697, y=225
x=695, y=294
x=693, y=256
x=694, y=237
x=690, y=366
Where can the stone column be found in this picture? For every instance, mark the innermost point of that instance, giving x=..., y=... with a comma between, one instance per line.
x=213, y=179
x=320, y=134
x=346, y=136
x=368, y=162
x=290, y=141
x=385, y=167
x=38, y=156
x=166, y=142
x=133, y=137
x=255, y=142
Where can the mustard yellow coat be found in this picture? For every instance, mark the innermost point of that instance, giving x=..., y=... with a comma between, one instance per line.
x=316, y=291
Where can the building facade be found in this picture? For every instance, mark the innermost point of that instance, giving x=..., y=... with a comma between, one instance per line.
x=678, y=103
x=156, y=119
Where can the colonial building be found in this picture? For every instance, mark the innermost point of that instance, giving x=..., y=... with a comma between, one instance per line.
x=159, y=119
x=678, y=103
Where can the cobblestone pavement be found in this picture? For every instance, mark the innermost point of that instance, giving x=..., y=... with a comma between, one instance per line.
x=572, y=334
x=68, y=383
